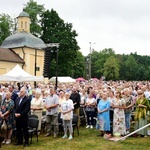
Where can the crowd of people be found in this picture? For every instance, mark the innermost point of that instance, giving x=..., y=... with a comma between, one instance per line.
x=108, y=106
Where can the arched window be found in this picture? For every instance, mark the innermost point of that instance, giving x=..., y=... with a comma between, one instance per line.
x=21, y=24
x=26, y=25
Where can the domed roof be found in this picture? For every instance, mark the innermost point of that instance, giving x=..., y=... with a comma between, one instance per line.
x=23, y=14
x=21, y=39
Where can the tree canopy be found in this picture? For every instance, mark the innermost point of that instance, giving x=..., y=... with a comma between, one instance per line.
x=111, y=68
x=34, y=10
x=47, y=25
x=6, y=27
x=55, y=30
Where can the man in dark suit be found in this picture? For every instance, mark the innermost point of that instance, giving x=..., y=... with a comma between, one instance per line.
x=22, y=108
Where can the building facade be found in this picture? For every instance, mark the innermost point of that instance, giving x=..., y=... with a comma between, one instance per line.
x=26, y=47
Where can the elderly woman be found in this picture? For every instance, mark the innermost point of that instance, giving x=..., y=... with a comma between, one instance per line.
x=7, y=114
x=61, y=98
x=67, y=115
x=37, y=106
x=142, y=107
x=119, y=116
x=103, y=114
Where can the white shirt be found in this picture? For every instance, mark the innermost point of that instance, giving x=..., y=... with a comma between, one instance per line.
x=67, y=105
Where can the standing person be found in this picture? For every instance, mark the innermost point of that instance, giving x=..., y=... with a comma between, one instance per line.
x=75, y=97
x=32, y=94
x=22, y=108
x=99, y=97
x=90, y=110
x=129, y=104
x=14, y=94
x=67, y=115
x=111, y=111
x=61, y=98
x=147, y=93
x=7, y=114
x=142, y=107
x=51, y=104
x=2, y=93
x=103, y=114
x=83, y=97
x=119, y=117
x=46, y=93
x=37, y=107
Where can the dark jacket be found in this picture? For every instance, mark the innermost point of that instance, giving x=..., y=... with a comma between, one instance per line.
x=75, y=97
x=14, y=96
x=23, y=109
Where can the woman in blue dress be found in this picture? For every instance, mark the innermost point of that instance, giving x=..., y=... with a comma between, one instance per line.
x=103, y=114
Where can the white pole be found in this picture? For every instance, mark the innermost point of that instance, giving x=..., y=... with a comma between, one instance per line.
x=123, y=138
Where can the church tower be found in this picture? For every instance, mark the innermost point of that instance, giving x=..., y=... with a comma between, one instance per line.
x=27, y=46
x=24, y=22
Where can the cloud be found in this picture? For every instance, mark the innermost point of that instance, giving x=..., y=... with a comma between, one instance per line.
x=119, y=24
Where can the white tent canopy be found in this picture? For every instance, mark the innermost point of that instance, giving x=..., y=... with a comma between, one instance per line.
x=18, y=74
x=62, y=79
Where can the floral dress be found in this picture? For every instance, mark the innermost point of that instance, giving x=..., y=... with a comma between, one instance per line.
x=8, y=106
x=119, y=117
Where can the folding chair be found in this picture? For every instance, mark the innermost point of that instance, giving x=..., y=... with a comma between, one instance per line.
x=33, y=116
x=82, y=116
x=60, y=124
x=33, y=128
x=75, y=124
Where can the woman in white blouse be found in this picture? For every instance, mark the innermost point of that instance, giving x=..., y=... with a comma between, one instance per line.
x=37, y=106
x=67, y=115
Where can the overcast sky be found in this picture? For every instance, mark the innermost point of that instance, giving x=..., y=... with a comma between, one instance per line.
x=123, y=25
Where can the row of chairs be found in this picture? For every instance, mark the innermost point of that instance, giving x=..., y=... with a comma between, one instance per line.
x=33, y=125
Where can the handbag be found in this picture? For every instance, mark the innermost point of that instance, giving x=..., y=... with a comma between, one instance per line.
x=67, y=116
x=4, y=125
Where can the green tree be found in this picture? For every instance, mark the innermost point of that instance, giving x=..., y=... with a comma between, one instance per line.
x=6, y=25
x=34, y=10
x=131, y=67
x=94, y=57
x=108, y=51
x=141, y=73
x=55, y=30
x=147, y=73
x=101, y=59
x=111, y=68
x=79, y=66
x=121, y=59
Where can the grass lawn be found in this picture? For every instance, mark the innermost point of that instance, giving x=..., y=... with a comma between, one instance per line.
x=87, y=140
